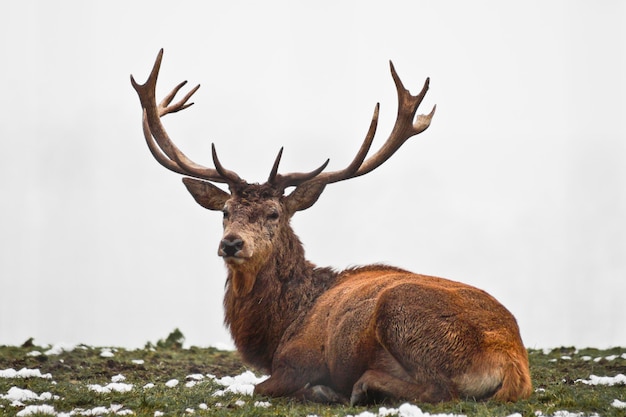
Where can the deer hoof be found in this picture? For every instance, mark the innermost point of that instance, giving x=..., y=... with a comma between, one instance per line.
x=359, y=394
x=324, y=394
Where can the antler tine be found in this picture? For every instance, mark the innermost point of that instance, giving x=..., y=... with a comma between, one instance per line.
x=174, y=159
x=274, y=170
x=230, y=176
x=351, y=170
x=406, y=126
x=294, y=178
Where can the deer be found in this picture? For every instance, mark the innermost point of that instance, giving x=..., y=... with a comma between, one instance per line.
x=363, y=335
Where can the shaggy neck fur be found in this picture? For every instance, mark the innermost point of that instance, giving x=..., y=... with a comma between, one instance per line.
x=285, y=288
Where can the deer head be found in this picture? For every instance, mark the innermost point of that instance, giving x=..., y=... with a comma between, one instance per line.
x=255, y=213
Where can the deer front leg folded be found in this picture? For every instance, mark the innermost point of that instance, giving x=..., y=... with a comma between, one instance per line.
x=305, y=383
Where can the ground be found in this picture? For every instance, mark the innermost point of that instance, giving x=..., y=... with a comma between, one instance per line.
x=167, y=379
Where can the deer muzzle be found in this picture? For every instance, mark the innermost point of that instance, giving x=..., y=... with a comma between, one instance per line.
x=231, y=248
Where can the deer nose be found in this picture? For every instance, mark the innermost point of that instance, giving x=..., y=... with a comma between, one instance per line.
x=230, y=247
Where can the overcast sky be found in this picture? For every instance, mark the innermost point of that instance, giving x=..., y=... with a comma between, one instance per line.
x=518, y=187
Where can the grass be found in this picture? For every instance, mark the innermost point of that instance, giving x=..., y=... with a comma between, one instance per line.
x=554, y=376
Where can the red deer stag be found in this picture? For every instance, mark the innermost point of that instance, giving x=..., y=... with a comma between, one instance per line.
x=361, y=335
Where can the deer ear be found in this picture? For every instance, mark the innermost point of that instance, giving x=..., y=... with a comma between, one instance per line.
x=304, y=196
x=206, y=194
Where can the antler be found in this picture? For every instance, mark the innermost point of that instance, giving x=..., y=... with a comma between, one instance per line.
x=406, y=126
x=168, y=155
x=172, y=158
x=164, y=150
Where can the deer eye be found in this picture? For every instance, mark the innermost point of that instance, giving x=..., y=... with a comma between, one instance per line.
x=273, y=215
x=225, y=212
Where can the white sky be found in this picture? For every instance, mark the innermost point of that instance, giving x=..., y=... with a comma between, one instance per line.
x=518, y=187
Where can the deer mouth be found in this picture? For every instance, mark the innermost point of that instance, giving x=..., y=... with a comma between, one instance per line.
x=234, y=260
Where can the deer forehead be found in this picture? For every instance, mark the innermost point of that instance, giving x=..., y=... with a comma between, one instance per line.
x=254, y=205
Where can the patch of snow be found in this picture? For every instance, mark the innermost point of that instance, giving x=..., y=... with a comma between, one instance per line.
x=34, y=353
x=37, y=409
x=189, y=410
x=171, y=383
x=59, y=348
x=138, y=361
x=23, y=373
x=98, y=411
x=262, y=404
x=113, y=386
x=195, y=377
x=118, y=378
x=619, y=379
x=240, y=384
x=585, y=358
x=106, y=353
x=159, y=414
x=19, y=395
x=240, y=403
x=148, y=385
x=203, y=406
x=618, y=404
x=406, y=410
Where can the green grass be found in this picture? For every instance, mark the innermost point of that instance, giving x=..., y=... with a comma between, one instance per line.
x=554, y=379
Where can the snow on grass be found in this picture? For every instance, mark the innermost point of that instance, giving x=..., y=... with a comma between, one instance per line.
x=45, y=409
x=618, y=404
x=111, y=387
x=619, y=379
x=59, y=348
x=405, y=410
x=37, y=409
x=240, y=384
x=116, y=385
x=19, y=395
x=171, y=383
x=106, y=353
x=118, y=378
x=23, y=373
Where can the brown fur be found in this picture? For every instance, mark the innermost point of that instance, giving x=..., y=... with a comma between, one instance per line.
x=365, y=334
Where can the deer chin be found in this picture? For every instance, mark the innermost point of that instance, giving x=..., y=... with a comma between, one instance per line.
x=242, y=283
x=243, y=273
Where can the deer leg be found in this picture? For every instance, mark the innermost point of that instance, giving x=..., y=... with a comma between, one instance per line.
x=282, y=385
x=299, y=373
x=377, y=386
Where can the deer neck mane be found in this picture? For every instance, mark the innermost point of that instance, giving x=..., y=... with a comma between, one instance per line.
x=284, y=289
